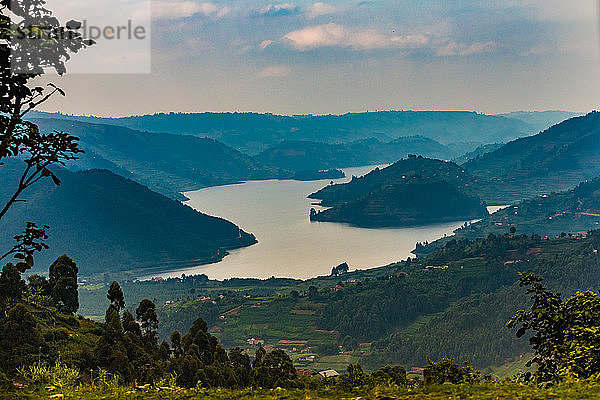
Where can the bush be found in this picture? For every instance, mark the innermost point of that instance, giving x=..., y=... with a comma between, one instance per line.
x=447, y=370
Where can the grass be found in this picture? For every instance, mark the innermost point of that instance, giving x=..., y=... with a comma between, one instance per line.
x=489, y=391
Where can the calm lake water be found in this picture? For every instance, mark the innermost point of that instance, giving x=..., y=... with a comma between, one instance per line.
x=289, y=245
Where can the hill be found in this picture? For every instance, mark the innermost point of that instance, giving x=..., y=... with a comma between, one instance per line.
x=253, y=133
x=413, y=191
x=110, y=224
x=570, y=212
x=541, y=120
x=166, y=163
x=295, y=155
x=553, y=160
x=478, y=152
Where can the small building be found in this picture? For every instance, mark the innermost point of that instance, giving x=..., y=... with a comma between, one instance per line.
x=304, y=372
x=306, y=358
x=330, y=373
x=255, y=342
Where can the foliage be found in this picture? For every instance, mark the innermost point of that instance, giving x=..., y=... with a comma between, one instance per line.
x=566, y=334
x=446, y=370
x=41, y=374
x=63, y=284
x=413, y=191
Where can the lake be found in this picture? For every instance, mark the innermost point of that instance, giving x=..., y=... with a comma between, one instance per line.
x=289, y=244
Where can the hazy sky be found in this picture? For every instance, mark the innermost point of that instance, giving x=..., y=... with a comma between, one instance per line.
x=333, y=57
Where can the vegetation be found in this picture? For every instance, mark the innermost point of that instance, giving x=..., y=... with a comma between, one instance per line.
x=556, y=159
x=109, y=224
x=166, y=163
x=414, y=191
x=565, y=213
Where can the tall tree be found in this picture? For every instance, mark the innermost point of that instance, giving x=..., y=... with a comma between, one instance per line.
x=146, y=314
x=63, y=281
x=115, y=296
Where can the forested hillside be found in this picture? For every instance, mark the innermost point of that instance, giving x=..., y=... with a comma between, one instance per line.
x=413, y=191
x=164, y=162
x=108, y=224
x=569, y=212
x=557, y=159
x=457, y=301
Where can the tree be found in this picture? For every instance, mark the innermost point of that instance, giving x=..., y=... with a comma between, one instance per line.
x=176, y=344
x=115, y=296
x=11, y=284
x=146, y=314
x=566, y=339
x=25, y=51
x=63, y=283
x=447, y=370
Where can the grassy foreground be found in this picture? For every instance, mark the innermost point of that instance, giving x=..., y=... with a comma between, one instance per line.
x=578, y=390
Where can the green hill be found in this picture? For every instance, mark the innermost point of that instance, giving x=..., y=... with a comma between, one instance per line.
x=110, y=224
x=296, y=155
x=556, y=159
x=570, y=212
x=164, y=162
x=413, y=191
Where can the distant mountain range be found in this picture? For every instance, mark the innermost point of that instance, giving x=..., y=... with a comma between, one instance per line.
x=556, y=159
x=414, y=191
x=110, y=224
x=541, y=120
x=295, y=155
x=166, y=163
x=254, y=133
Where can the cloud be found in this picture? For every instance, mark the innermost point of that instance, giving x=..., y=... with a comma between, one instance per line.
x=334, y=35
x=265, y=43
x=276, y=71
x=461, y=49
x=319, y=9
x=278, y=10
x=185, y=9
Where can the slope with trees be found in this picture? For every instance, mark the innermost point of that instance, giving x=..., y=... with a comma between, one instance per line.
x=413, y=191
x=563, y=213
x=110, y=224
x=556, y=159
x=164, y=162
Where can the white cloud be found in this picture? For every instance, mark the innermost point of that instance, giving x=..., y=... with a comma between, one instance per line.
x=276, y=10
x=319, y=9
x=184, y=9
x=461, y=49
x=265, y=43
x=410, y=41
x=334, y=35
x=276, y=71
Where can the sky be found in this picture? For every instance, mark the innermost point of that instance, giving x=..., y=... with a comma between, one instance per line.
x=299, y=57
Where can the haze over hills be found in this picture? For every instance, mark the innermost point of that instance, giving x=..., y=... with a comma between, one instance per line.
x=109, y=224
x=556, y=159
x=541, y=120
x=295, y=155
x=253, y=133
x=413, y=191
x=164, y=162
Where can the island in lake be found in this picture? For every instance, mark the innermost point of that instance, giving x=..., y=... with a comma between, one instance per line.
x=413, y=191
